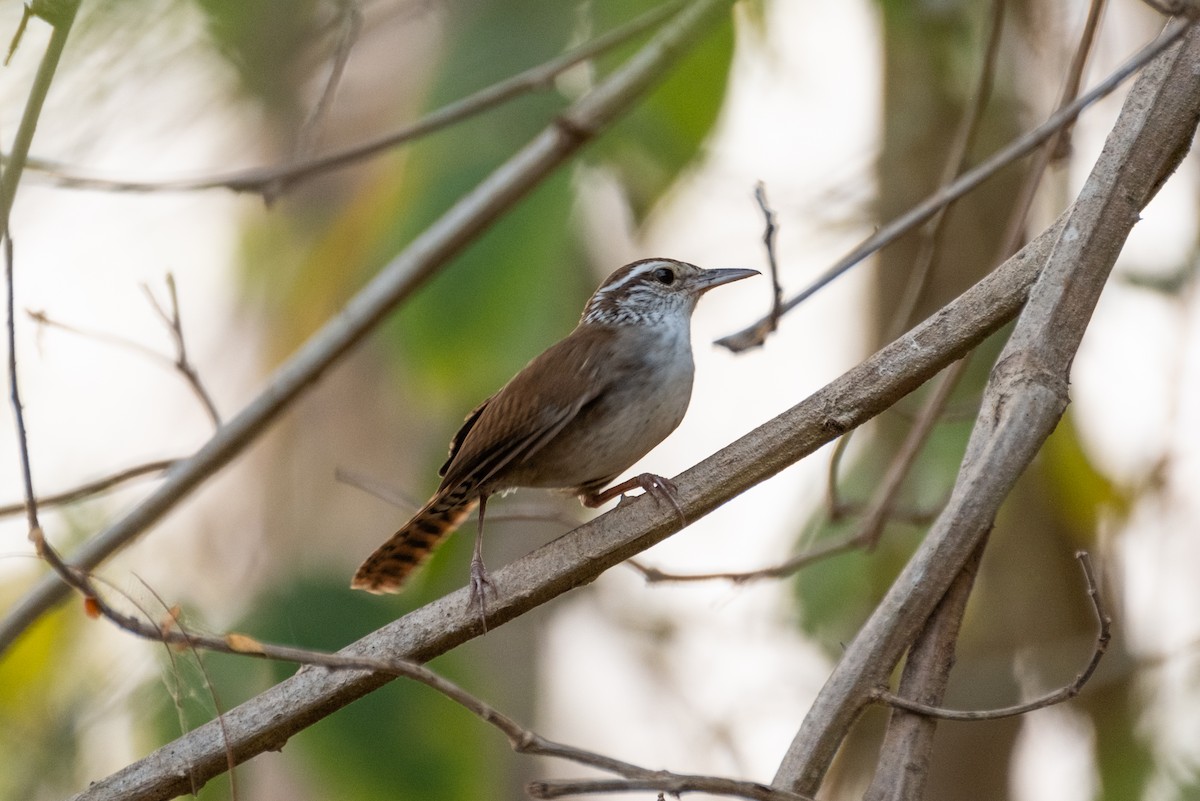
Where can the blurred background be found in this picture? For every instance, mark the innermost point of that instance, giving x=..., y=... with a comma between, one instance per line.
x=846, y=111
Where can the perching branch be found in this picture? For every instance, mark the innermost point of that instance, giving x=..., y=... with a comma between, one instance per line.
x=1025, y=396
x=397, y=281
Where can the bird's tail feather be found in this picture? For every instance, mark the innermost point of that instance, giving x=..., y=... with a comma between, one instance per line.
x=387, y=569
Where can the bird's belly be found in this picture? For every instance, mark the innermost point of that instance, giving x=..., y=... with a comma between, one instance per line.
x=612, y=432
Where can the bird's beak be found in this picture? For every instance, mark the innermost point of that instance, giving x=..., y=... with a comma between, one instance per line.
x=711, y=278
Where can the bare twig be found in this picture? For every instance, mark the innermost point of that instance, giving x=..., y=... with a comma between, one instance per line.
x=768, y=238
x=931, y=234
x=835, y=507
x=91, y=488
x=665, y=782
x=1056, y=145
x=44, y=320
x=30, y=505
x=274, y=180
x=1026, y=394
x=349, y=26
x=395, y=283
x=174, y=324
x=753, y=336
x=1103, y=636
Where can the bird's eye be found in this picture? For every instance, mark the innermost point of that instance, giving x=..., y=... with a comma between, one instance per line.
x=664, y=275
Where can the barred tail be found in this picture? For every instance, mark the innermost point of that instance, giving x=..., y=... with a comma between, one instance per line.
x=387, y=568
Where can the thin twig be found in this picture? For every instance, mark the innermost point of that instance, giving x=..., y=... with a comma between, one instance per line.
x=676, y=784
x=835, y=507
x=91, y=488
x=1103, y=636
x=349, y=26
x=768, y=238
x=30, y=505
x=276, y=179
x=754, y=335
x=1057, y=143
x=174, y=324
x=932, y=233
x=44, y=320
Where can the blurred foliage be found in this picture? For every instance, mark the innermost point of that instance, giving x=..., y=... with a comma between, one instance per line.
x=40, y=692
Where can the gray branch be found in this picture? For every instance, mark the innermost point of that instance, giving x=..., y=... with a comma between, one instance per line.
x=1025, y=396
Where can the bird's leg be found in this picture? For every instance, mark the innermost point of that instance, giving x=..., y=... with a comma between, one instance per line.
x=663, y=489
x=481, y=582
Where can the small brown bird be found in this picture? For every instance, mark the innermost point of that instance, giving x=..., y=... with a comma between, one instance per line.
x=574, y=418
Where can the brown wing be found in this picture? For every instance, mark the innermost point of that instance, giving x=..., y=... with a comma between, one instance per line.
x=529, y=411
x=464, y=429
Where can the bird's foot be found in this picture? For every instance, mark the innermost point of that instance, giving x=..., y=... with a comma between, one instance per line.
x=662, y=489
x=481, y=584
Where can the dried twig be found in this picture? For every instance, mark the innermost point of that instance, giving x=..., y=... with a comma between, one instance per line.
x=768, y=238
x=174, y=324
x=665, y=782
x=30, y=505
x=1103, y=636
x=91, y=488
x=349, y=26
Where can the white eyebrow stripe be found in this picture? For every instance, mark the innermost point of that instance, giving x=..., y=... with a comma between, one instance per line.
x=637, y=270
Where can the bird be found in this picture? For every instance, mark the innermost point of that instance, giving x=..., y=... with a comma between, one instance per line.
x=573, y=419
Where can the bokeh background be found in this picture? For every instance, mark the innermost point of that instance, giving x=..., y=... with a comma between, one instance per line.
x=846, y=111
